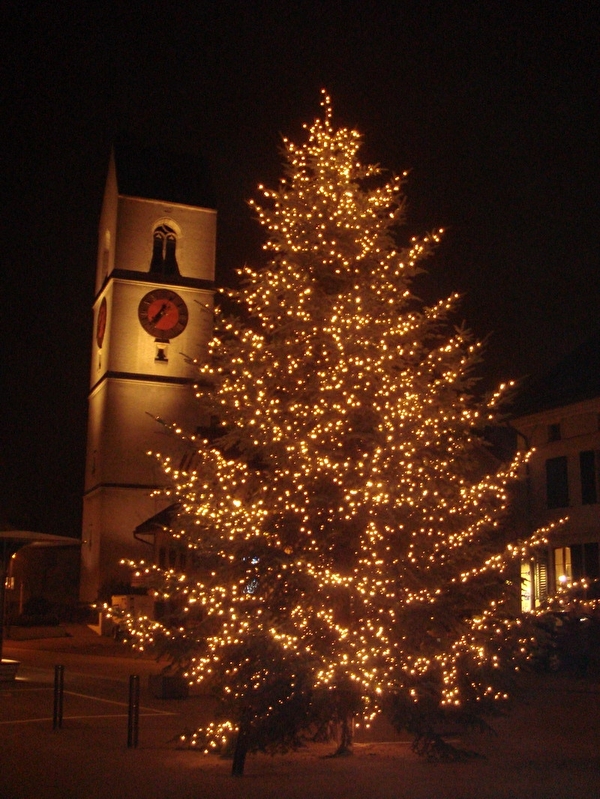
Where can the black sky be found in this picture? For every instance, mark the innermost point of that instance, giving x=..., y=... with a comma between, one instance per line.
x=493, y=107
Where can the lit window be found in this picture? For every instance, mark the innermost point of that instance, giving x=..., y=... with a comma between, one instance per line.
x=576, y=562
x=563, y=570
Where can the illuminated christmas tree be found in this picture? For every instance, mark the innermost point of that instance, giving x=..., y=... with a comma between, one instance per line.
x=346, y=519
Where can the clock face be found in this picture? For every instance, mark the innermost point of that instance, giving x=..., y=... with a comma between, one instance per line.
x=163, y=314
x=101, y=323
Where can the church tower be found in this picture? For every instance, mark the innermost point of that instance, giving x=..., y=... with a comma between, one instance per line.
x=152, y=314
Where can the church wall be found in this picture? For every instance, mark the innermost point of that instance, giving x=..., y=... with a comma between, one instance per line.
x=128, y=348
x=126, y=430
x=132, y=349
x=107, y=229
x=140, y=368
x=195, y=228
x=110, y=516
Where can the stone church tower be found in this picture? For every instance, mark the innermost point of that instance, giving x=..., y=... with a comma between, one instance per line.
x=152, y=313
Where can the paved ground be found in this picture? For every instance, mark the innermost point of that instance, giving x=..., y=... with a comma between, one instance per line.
x=548, y=748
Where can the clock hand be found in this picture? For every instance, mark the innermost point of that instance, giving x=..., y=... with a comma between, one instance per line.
x=160, y=313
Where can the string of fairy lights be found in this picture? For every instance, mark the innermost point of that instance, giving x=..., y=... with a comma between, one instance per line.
x=349, y=515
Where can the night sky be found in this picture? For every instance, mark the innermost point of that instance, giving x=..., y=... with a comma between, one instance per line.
x=491, y=106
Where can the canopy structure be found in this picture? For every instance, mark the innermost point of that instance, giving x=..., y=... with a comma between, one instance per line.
x=11, y=541
x=160, y=521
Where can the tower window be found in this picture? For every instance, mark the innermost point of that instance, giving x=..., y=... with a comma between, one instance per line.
x=161, y=351
x=164, y=245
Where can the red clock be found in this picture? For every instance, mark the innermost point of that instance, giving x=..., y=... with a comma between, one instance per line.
x=163, y=314
x=101, y=323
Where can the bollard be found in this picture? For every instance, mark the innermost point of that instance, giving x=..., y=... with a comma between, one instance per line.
x=133, y=724
x=59, y=687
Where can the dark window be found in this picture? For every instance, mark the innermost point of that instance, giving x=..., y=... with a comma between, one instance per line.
x=557, y=485
x=587, y=470
x=554, y=432
x=577, y=562
x=591, y=560
x=585, y=561
x=161, y=352
x=156, y=264
x=171, y=267
x=164, y=261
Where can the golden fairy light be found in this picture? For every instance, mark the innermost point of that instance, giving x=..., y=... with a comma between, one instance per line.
x=347, y=524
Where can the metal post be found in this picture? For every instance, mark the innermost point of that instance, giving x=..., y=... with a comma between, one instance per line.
x=3, y=574
x=59, y=688
x=133, y=724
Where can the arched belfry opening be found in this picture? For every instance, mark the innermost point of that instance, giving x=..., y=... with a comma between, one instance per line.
x=164, y=255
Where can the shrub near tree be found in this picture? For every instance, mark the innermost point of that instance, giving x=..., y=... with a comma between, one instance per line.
x=345, y=519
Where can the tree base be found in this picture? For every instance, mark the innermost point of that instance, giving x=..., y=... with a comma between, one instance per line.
x=345, y=751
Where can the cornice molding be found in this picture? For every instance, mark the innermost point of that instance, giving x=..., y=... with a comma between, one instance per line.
x=143, y=378
x=159, y=280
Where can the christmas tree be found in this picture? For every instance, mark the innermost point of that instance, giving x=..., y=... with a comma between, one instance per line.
x=345, y=519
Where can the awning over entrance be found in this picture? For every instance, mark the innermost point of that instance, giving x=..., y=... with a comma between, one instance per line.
x=146, y=531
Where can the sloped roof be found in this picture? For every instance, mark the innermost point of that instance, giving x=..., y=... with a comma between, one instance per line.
x=157, y=173
x=575, y=378
x=12, y=541
x=160, y=521
x=40, y=539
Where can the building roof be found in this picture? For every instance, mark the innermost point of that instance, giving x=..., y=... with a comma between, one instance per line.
x=40, y=539
x=575, y=378
x=156, y=173
x=11, y=541
x=160, y=521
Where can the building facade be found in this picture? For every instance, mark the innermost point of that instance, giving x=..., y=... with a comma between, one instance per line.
x=558, y=420
x=153, y=315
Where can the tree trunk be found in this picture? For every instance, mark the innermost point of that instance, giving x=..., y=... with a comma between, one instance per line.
x=240, y=752
x=345, y=747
